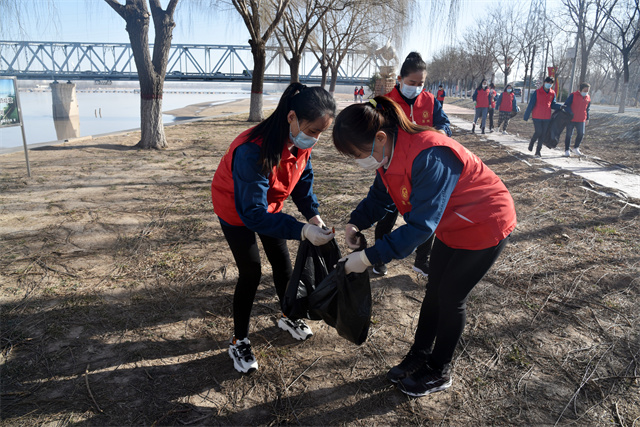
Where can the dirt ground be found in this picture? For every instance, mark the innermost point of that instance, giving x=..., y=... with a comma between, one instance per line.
x=116, y=287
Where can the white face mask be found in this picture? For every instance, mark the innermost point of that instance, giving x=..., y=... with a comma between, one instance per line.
x=370, y=163
x=584, y=94
x=410, y=91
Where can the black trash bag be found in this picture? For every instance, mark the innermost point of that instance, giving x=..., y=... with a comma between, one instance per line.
x=343, y=301
x=313, y=264
x=559, y=120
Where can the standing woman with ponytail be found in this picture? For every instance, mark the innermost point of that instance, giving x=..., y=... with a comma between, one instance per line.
x=438, y=186
x=262, y=167
x=421, y=108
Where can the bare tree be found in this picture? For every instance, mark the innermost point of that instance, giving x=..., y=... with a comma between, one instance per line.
x=298, y=23
x=505, y=24
x=151, y=67
x=590, y=18
x=479, y=45
x=255, y=14
x=529, y=39
x=625, y=24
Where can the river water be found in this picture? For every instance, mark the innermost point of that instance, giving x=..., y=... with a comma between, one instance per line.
x=105, y=111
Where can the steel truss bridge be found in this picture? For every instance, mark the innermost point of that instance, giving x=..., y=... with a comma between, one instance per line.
x=187, y=62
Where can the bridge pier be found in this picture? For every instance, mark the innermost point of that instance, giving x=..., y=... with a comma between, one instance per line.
x=64, y=100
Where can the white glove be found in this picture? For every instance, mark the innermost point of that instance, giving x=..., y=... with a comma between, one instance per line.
x=357, y=262
x=316, y=220
x=316, y=235
x=353, y=242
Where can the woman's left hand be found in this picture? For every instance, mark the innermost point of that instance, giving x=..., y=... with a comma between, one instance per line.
x=316, y=220
x=357, y=262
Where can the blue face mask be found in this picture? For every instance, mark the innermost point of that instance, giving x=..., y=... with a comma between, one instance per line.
x=410, y=92
x=302, y=140
x=509, y=90
x=547, y=85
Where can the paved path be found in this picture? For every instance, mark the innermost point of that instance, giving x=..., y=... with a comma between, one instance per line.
x=627, y=184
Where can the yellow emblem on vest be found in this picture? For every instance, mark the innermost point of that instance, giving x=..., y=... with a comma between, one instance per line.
x=404, y=192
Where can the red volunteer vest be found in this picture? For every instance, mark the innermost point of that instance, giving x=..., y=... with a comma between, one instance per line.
x=422, y=111
x=579, y=107
x=507, y=101
x=440, y=95
x=482, y=98
x=542, y=109
x=480, y=212
x=361, y=92
x=493, y=98
x=282, y=180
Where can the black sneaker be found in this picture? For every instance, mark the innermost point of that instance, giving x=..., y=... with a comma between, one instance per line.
x=426, y=380
x=243, y=359
x=297, y=328
x=411, y=362
x=473, y=128
x=380, y=269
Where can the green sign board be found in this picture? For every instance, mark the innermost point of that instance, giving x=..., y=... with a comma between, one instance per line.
x=9, y=109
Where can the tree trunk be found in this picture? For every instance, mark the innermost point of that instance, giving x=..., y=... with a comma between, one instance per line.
x=323, y=81
x=625, y=85
x=334, y=79
x=257, y=80
x=294, y=67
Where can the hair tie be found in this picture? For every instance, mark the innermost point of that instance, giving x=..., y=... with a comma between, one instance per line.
x=375, y=104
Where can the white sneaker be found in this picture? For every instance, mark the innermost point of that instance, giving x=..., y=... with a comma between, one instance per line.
x=243, y=359
x=297, y=328
x=567, y=154
x=577, y=151
x=504, y=132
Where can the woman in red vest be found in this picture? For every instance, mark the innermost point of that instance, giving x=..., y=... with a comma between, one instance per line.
x=441, y=94
x=579, y=103
x=506, y=105
x=482, y=97
x=361, y=92
x=262, y=167
x=438, y=186
x=492, y=105
x=421, y=108
x=541, y=103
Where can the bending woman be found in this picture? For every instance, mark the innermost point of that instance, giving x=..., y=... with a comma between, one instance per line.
x=438, y=186
x=262, y=167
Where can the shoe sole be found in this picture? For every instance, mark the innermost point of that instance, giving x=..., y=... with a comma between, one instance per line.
x=418, y=270
x=378, y=272
x=238, y=367
x=430, y=391
x=297, y=337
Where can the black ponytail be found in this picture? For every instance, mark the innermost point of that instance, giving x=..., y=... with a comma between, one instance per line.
x=412, y=63
x=356, y=126
x=309, y=103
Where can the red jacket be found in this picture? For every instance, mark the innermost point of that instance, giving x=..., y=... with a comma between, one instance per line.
x=421, y=112
x=480, y=212
x=507, y=101
x=282, y=180
x=440, y=95
x=482, y=98
x=542, y=109
x=579, y=107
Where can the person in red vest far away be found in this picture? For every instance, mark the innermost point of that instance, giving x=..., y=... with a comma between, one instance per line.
x=483, y=100
x=263, y=167
x=355, y=94
x=492, y=105
x=441, y=94
x=579, y=103
x=421, y=108
x=438, y=186
x=541, y=103
x=361, y=93
x=506, y=105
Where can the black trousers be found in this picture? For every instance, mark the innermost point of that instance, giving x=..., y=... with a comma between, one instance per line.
x=491, y=110
x=244, y=247
x=453, y=273
x=385, y=225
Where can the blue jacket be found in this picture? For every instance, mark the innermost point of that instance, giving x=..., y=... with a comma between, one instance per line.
x=435, y=173
x=250, y=190
x=532, y=103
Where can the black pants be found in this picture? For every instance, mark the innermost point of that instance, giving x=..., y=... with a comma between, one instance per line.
x=244, y=247
x=384, y=227
x=491, y=117
x=453, y=273
x=540, y=127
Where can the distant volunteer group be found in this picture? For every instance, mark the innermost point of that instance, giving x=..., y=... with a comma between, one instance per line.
x=458, y=214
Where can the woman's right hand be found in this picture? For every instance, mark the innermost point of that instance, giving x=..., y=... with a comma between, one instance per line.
x=316, y=235
x=351, y=237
